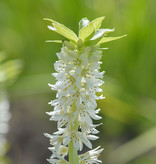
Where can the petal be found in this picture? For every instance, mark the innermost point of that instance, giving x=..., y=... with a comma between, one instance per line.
x=86, y=141
x=92, y=137
x=66, y=140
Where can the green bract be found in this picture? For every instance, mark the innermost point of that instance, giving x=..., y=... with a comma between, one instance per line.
x=63, y=30
x=87, y=32
x=90, y=33
x=109, y=39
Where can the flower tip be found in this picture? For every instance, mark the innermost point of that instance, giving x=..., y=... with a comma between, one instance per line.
x=103, y=17
x=47, y=113
x=123, y=36
x=48, y=160
x=46, y=19
x=50, y=85
x=51, y=28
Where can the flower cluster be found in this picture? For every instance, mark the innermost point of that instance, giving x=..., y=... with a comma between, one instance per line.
x=4, y=119
x=78, y=80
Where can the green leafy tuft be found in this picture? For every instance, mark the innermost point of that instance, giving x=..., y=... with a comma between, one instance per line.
x=90, y=33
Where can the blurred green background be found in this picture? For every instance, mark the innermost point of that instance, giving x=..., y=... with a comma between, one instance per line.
x=128, y=133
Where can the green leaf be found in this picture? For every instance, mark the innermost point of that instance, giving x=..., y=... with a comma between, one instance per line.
x=87, y=32
x=54, y=41
x=66, y=32
x=98, y=22
x=97, y=37
x=62, y=30
x=102, y=48
x=69, y=45
x=79, y=44
x=93, y=42
x=50, y=20
x=109, y=39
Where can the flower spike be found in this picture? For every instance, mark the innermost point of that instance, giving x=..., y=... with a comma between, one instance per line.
x=78, y=79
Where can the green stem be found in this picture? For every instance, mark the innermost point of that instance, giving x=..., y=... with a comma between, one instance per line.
x=73, y=156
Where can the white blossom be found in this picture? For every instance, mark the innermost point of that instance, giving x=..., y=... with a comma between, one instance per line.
x=91, y=157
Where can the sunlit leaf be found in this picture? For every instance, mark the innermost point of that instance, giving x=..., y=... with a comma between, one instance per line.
x=109, y=39
x=54, y=41
x=97, y=36
x=50, y=20
x=66, y=32
x=87, y=32
x=102, y=48
x=62, y=30
x=98, y=22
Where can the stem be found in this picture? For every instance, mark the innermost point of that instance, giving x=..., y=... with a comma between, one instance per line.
x=73, y=156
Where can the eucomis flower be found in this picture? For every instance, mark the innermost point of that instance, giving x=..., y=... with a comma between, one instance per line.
x=78, y=80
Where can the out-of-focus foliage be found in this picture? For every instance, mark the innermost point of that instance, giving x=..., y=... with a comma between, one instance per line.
x=129, y=110
x=8, y=72
x=3, y=158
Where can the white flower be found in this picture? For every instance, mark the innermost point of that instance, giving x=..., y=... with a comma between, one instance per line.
x=91, y=157
x=79, y=139
x=62, y=152
x=57, y=161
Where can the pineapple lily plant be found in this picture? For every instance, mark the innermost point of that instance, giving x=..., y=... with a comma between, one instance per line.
x=78, y=80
